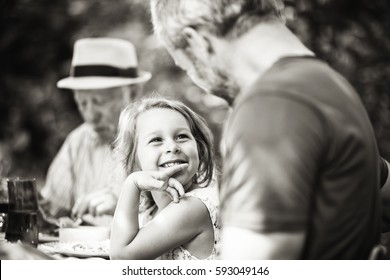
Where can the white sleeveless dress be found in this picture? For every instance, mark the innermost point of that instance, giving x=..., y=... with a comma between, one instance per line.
x=209, y=196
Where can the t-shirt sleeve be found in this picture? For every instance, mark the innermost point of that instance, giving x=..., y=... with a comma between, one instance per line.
x=273, y=153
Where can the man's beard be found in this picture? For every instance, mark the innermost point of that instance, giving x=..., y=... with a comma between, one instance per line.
x=215, y=80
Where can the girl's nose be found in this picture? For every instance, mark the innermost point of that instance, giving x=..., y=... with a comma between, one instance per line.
x=172, y=148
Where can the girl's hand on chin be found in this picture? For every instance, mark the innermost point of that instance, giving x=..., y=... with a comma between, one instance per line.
x=160, y=181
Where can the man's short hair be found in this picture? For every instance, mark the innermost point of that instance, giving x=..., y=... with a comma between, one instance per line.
x=224, y=18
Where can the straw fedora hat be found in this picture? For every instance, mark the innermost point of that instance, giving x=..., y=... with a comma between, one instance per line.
x=103, y=63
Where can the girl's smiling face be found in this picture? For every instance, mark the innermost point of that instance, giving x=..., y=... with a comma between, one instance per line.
x=164, y=138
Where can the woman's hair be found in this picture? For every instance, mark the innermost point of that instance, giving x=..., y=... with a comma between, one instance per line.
x=126, y=141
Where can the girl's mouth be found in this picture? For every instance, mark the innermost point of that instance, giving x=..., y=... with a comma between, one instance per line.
x=172, y=163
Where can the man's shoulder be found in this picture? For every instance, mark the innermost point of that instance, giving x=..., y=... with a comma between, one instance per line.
x=290, y=77
x=305, y=80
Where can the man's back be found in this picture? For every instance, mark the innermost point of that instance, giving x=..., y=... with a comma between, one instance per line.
x=301, y=157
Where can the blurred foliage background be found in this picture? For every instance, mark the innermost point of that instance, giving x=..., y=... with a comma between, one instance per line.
x=36, y=42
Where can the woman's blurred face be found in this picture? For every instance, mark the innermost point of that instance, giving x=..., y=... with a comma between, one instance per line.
x=101, y=109
x=164, y=139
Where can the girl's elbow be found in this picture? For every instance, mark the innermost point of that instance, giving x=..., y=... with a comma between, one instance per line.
x=122, y=253
x=114, y=256
x=116, y=253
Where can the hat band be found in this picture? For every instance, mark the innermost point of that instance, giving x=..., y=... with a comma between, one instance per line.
x=103, y=70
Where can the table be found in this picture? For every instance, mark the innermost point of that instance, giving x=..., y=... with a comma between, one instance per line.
x=77, y=250
x=44, y=251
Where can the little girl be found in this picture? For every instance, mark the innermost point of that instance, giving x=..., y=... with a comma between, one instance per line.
x=167, y=151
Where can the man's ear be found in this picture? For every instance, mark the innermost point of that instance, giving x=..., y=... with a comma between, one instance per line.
x=199, y=39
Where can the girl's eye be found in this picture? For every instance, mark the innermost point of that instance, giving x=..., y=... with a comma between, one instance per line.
x=155, y=140
x=182, y=136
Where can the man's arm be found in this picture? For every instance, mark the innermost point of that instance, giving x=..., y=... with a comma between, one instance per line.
x=247, y=244
x=102, y=201
x=270, y=164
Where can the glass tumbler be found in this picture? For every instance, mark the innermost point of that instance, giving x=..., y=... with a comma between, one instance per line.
x=3, y=208
x=22, y=211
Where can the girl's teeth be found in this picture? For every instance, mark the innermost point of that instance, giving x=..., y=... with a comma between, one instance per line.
x=171, y=164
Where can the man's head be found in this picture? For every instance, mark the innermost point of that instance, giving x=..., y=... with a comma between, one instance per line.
x=187, y=29
x=104, y=78
x=101, y=108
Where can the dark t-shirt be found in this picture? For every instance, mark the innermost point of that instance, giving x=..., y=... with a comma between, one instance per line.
x=300, y=156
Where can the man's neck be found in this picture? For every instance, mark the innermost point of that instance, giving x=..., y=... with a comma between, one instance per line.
x=255, y=52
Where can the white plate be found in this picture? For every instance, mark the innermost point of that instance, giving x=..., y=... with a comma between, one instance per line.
x=78, y=249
